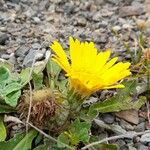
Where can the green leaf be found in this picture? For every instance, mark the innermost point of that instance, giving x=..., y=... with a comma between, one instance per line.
x=64, y=139
x=87, y=114
x=122, y=101
x=12, y=98
x=53, y=71
x=19, y=142
x=2, y=130
x=4, y=74
x=78, y=132
x=107, y=147
x=6, y=109
x=24, y=76
x=37, y=80
x=102, y=146
x=42, y=147
x=12, y=87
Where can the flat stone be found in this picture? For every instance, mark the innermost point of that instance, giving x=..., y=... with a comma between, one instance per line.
x=140, y=127
x=81, y=21
x=129, y=115
x=108, y=118
x=140, y=146
x=31, y=56
x=125, y=125
x=22, y=51
x=3, y=38
x=131, y=10
x=132, y=148
x=145, y=138
x=97, y=16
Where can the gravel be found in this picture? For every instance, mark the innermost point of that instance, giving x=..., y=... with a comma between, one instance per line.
x=28, y=27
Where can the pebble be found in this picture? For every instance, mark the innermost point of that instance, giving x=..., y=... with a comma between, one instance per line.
x=3, y=38
x=120, y=142
x=131, y=148
x=140, y=127
x=140, y=146
x=36, y=19
x=129, y=115
x=81, y=21
x=5, y=56
x=97, y=16
x=36, y=46
x=108, y=118
x=131, y=10
x=145, y=138
x=22, y=51
x=126, y=125
x=33, y=54
x=116, y=28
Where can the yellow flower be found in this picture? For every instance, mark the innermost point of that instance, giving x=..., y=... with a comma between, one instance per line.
x=89, y=71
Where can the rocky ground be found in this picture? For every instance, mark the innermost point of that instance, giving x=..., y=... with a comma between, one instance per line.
x=27, y=28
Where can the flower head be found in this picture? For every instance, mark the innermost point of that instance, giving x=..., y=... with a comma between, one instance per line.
x=89, y=71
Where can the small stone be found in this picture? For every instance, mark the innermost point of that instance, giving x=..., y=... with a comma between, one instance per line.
x=36, y=19
x=108, y=118
x=12, y=58
x=124, y=147
x=140, y=127
x=141, y=24
x=131, y=148
x=5, y=56
x=120, y=142
x=116, y=28
x=31, y=56
x=97, y=16
x=140, y=146
x=145, y=138
x=3, y=29
x=101, y=39
x=131, y=10
x=3, y=38
x=129, y=115
x=126, y=125
x=36, y=46
x=22, y=51
x=81, y=21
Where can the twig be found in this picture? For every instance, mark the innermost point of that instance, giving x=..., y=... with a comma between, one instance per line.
x=129, y=135
x=17, y=120
x=30, y=91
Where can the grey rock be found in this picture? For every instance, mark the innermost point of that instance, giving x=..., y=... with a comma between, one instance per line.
x=120, y=142
x=97, y=16
x=124, y=147
x=5, y=56
x=36, y=46
x=126, y=125
x=131, y=148
x=3, y=38
x=12, y=59
x=33, y=55
x=140, y=146
x=81, y=21
x=108, y=118
x=22, y=51
x=36, y=19
x=15, y=1
x=145, y=138
x=140, y=127
x=101, y=39
x=131, y=10
x=29, y=58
